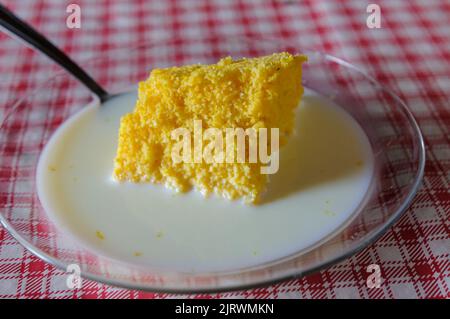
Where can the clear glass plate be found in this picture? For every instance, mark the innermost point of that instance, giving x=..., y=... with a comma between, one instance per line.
x=393, y=133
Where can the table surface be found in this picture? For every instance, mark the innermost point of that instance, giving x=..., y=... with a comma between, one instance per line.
x=410, y=53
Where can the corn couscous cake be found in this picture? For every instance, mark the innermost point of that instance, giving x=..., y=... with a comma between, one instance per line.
x=246, y=93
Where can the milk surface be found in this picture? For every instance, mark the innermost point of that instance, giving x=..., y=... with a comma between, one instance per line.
x=325, y=172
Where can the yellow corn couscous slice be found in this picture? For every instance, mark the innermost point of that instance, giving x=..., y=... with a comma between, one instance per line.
x=245, y=93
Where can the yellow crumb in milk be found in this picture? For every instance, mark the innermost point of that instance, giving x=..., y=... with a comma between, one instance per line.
x=137, y=254
x=245, y=93
x=159, y=235
x=99, y=235
x=329, y=213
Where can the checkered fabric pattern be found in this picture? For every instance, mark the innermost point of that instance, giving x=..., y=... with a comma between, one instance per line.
x=410, y=54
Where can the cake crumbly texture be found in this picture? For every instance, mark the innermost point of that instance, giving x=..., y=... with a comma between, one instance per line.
x=245, y=93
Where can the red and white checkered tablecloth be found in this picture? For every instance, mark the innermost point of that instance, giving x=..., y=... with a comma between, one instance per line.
x=410, y=54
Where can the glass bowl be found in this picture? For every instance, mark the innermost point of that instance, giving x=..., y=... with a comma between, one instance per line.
x=394, y=135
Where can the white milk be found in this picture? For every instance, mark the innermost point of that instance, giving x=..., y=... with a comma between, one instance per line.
x=325, y=171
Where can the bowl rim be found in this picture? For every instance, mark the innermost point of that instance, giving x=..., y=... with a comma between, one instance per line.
x=294, y=273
